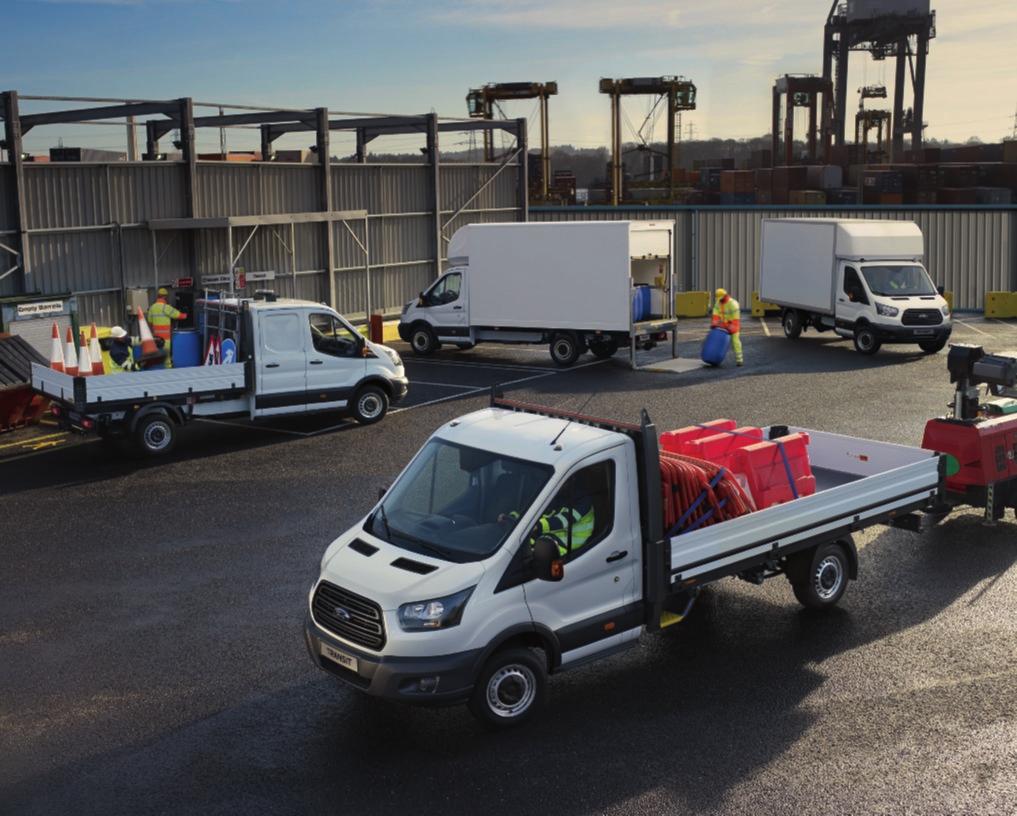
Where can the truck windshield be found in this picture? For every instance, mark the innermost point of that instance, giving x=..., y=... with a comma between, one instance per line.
x=898, y=281
x=457, y=503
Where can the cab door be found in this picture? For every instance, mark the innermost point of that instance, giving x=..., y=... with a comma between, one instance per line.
x=852, y=298
x=335, y=361
x=596, y=606
x=282, y=363
x=447, y=303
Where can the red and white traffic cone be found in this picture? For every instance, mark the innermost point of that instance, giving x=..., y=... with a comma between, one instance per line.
x=56, y=352
x=70, y=355
x=148, y=347
x=95, y=352
x=84, y=359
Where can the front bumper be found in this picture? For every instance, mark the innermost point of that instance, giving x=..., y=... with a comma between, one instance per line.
x=397, y=678
x=404, y=332
x=400, y=387
x=911, y=334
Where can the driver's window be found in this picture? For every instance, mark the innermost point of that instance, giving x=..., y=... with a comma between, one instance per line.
x=332, y=337
x=582, y=512
x=853, y=286
x=446, y=290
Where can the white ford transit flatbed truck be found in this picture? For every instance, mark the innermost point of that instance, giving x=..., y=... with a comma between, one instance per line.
x=447, y=592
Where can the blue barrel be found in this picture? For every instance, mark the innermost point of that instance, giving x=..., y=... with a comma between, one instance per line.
x=715, y=347
x=186, y=348
x=640, y=303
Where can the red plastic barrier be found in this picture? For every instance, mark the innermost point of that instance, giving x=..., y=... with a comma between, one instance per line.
x=764, y=468
x=675, y=441
x=720, y=447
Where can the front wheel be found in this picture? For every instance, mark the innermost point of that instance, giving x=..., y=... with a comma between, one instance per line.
x=824, y=582
x=866, y=341
x=792, y=322
x=565, y=349
x=511, y=687
x=370, y=404
x=423, y=340
x=932, y=346
x=155, y=435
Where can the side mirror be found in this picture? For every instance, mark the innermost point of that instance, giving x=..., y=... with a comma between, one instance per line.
x=382, y=491
x=547, y=563
x=941, y=290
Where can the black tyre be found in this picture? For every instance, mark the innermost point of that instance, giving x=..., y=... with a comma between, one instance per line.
x=154, y=435
x=932, y=346
x=565, y=348
x=822, y=584
x=510, y=688
x=866, y=341
x=423, y=340
x=369, y=405
x=602, y=349
x=792, y=323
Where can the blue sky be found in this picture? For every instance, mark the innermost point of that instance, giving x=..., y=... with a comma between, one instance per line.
x=405, y=57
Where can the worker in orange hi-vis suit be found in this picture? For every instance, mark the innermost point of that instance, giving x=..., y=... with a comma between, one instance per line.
x=160, y=320
x=727, y=314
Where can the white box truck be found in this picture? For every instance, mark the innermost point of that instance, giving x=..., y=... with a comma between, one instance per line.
x=293, y=357
x=861, y=278
x=578, y=286
x=448, y=592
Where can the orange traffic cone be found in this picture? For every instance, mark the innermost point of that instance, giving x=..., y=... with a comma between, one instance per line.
x=84, y=358
x=56, y=353
x=95, y=352
x=148, y=347
x=70, y=355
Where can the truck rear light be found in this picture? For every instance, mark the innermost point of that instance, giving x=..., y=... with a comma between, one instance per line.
x=55, y=410
x=87, y=424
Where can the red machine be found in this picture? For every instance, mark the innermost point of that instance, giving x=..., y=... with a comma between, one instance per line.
x=979, y=438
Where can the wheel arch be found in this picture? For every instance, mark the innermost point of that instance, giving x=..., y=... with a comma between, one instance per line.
x=163, y=408
x=526, y=636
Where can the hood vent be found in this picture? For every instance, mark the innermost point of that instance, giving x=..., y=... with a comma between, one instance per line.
x=362, y=547
x=413, y=566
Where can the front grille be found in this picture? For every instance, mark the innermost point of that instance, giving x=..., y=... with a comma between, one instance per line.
x=362, y=622
x=922, y=317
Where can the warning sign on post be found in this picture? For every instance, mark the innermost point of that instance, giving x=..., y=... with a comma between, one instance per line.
x=40, y=307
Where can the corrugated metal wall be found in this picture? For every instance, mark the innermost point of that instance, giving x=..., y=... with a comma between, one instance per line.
x=969, y=251
x=88, y=231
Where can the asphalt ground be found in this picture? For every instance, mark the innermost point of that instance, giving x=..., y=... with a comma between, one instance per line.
x=151, y=657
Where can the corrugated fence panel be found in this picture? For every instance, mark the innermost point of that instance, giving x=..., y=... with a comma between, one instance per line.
x=225, y=188
x=400, y=239
x=969, y=252
x=378, y=188
x=313, y=286
x=460, y=183
x=66, y=195
x=103, y=308
x=146, y=190
x=288, y=188
x=74, y=262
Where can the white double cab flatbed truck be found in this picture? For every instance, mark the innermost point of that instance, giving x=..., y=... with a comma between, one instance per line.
x=446, y=591
x=861, y=278
x=293, y=357
x=568, y=284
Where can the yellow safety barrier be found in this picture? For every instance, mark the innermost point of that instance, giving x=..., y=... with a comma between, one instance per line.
x=692, y=304
x=390, y=331
x=760, y=307
x=948, y=297
x=1001, y=304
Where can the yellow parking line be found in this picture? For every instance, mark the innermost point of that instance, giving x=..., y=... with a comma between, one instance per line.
x=32, y=441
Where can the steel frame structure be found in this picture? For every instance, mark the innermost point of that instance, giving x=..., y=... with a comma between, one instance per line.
x=800, y=91
x=481, y=102
x=889, y=35
x=681, y=96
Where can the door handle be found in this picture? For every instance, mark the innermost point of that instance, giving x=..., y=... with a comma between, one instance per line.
x=841, y=300
x=617, y=555
x=271, y=365
x=457, y=308
x=315, y=362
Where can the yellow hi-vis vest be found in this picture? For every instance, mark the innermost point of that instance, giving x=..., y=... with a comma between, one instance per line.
x=160, y=319
x=556, y=523
x=728, y=314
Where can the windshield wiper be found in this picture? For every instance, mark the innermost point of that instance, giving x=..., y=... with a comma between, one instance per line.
x=434, y=549
x=384, y=518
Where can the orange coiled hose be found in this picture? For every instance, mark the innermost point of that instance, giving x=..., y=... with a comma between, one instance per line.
x=689, y=498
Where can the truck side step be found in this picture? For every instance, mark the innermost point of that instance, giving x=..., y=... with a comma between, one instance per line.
x=670, y=619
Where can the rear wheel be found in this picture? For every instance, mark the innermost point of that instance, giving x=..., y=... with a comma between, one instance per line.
x=866, y=341
x=370, y=404
x=932, y=346
x=423, y=340
x=823, y=581
x=510, y=688
x=792, y=322
x=155, y=435
x=565, y=348
x=602, y=349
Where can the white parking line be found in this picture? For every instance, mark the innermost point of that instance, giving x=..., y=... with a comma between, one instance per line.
x=766, y=329
x=440, y=385
x=973, y=328
x=465, y=364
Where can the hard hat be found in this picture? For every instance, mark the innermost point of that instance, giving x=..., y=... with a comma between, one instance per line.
x=163, y=291
x=721, y=293
x=117, y=332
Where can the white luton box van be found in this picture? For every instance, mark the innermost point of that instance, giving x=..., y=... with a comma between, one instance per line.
x=578, y=286
x=448, y=591
x=863, y=279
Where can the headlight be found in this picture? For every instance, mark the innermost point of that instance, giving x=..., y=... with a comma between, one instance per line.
x=406, y=307
x=946, y=311
x=392, y=355
x=440, y=613
x=886, y=311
